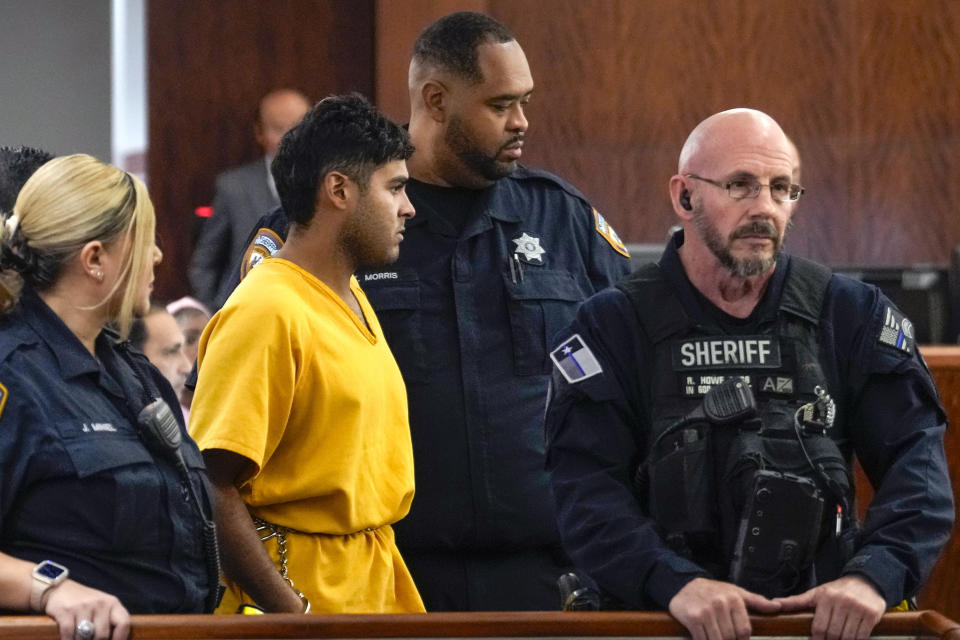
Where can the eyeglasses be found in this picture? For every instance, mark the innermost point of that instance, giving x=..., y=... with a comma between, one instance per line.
x=750, y=188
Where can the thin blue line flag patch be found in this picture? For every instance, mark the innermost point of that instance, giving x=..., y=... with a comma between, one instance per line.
x=575, y=360
x=897, y=331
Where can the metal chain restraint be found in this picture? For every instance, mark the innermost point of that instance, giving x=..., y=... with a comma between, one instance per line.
x=280, y=533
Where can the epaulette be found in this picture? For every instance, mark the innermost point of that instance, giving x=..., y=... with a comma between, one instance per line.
x=599, y=223
x=11, y=338
x=529, y=173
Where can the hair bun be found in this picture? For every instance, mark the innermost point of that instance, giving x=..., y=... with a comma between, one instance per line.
x=15, y=253
x=11, y=222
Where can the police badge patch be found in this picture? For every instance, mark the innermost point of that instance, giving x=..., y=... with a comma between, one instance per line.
x=897, y=331
x=265, y=244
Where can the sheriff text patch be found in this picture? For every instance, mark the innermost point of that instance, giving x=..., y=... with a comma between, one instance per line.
x=734, y=352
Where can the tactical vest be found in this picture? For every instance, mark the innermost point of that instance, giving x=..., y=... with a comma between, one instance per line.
x=765, y=504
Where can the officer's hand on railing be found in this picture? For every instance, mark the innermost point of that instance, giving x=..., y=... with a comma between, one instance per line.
x=714, y=610
x=847, y=608
x=75, y=608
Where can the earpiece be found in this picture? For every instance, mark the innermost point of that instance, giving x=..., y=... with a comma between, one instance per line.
x=685, y=200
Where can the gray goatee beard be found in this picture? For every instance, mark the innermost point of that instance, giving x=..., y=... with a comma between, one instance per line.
x=739, y=267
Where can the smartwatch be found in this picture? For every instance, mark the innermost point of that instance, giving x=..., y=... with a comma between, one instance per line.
x=46, y=576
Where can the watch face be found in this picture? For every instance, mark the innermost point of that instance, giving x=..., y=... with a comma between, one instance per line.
x=50, y=570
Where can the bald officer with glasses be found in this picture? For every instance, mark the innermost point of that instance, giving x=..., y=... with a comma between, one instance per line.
x=705, y=412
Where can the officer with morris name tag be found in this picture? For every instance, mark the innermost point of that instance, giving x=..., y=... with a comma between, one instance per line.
x=496, y=262
x=669, y=503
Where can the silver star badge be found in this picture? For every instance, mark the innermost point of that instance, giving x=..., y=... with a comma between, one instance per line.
x=529, y=247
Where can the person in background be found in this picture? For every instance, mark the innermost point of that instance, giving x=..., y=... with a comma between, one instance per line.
x=746, y=501
x=93, y=520
x=158, y=336
x=192, y=317
x=300, y=409
x=242, y=195
x=16, y=167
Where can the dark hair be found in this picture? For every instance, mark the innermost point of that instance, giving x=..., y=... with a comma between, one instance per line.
x=138, y=335
x=16, y=167
x=451, y=42
x=340, y=133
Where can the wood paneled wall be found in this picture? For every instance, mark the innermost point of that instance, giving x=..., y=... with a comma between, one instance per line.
x=208, y=65
x=867, y=90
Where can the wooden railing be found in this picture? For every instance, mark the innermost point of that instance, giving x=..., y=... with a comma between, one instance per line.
x=942, y=593
x=916, y=624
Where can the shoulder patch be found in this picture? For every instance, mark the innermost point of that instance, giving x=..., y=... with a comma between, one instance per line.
x=897, y=331
x=3, y=398
x=608, y=234
x=575, y=360
x=265, y=244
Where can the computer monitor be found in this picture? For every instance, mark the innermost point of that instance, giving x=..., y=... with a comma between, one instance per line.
x=953, y=299
x=919, y=291
x=644, y=253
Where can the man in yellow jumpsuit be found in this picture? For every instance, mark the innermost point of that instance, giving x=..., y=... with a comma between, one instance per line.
x=300, y=409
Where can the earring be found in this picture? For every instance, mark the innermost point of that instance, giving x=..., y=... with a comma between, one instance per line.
x=96, y=274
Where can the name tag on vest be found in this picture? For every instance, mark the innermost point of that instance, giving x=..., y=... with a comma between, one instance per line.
x=753, y=352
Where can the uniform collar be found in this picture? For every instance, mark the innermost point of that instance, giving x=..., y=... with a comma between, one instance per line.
x=71, y=356
x=495, y=202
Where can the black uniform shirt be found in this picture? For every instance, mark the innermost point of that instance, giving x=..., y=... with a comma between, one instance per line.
x=469, y=315
x=78, y=486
